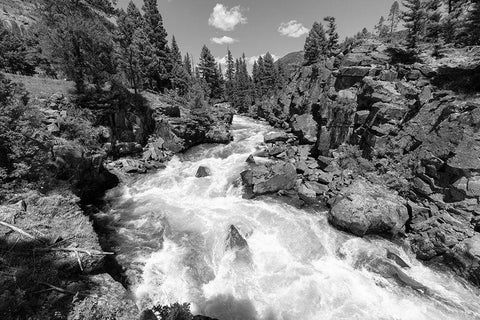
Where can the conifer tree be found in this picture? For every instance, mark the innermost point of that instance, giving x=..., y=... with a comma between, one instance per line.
x=230, y=76
x=315, y=44
x=381, y=28
x=269, y=76
x=332, y=42
x=473, y=24
x=394, y=17
x=187, y=63
x=413, y=18
x=433, y=27
x=157, y=35
x=209, y=71
x=175, y=52
x=128, y=25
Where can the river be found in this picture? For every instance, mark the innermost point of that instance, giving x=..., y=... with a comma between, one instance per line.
x=172, y=229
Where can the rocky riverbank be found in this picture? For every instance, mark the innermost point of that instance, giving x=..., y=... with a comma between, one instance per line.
x=389, y=142
x=53, y=264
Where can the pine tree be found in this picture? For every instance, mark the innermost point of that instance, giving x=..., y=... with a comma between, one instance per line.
x=208, y=71
x=243, y=86
x=187, y=63
x=315, y=44
x=157, y=35
x=473, y=24
x=413, y=19
x=381, y=28
x=332, y=43
x=230, y=77
x=269, y=76
x=175, y=52
x=130, y=57
x=394, y=17
x=433, y=27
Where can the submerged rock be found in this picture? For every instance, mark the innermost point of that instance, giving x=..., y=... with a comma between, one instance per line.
x=363, y=208
x=203, y=172
x=397, y=259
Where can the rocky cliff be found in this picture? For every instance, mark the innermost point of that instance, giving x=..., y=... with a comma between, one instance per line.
x=379, y=117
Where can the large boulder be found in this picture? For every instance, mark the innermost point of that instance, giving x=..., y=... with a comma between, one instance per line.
x=269, y=178
x=363, y=208
x=305, y=127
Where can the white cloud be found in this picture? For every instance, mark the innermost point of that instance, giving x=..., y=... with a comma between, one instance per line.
x=223, y=40
x=225, y=19
x=293, y=29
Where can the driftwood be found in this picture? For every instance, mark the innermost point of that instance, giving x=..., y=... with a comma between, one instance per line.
x=58, y=288
x=26, y=234
x=81, y=250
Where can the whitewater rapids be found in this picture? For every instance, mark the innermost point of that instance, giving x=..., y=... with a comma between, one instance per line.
x=172, y=227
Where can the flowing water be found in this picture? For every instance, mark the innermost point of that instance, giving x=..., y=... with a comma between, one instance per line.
x=173, y=229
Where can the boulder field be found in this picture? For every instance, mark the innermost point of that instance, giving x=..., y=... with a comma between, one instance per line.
x=389, y=142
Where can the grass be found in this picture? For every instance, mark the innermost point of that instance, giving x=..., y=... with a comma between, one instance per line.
x=43, y=87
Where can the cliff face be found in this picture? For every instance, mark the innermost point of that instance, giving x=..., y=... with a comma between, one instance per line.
x=416, y=123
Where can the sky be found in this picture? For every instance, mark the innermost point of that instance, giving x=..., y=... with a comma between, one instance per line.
x=254, y=27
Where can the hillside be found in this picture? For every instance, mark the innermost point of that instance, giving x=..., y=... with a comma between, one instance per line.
x=292, y=61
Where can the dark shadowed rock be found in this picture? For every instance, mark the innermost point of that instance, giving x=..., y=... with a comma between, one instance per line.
x=235, y=239
x=202, y=172
x=250, y=159
x=363, y=208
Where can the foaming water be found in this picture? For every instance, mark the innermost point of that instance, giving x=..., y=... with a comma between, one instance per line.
x=173, y=230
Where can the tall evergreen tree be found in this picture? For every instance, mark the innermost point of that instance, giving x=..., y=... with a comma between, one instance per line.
x=160, y=63
x=332, y=42
x=269, y=74
x=381, y=28
x=433, y=27
x=473, y=24
x=128, y=24
x=187, y=63
x=175, y=52
x=230, y=76
x=209, y=72
x=315, y=44
x=413, y=18
x=394, y=17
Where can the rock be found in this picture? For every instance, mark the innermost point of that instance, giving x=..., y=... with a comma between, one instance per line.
x=115, y=301
x=306, y=193
x=363, y=208
x=202, y=172
x=235, y=240
x=305, y=127
x=275, y=136
x=250, y=159
x=395, y=257
x=269, y=178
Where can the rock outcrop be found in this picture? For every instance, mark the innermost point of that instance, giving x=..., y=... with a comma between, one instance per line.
x=408, y=124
